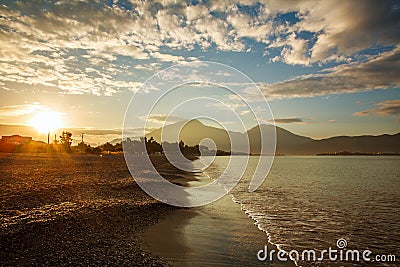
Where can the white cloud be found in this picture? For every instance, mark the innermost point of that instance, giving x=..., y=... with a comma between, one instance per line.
x=245, y=26
x=214, y=30
x=167, y=57
x=161, y=119
x=195, y=12
x=294, y=50
x=76, y=46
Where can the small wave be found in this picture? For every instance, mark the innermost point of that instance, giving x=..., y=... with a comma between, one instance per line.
x=256, y=217
x=253, y=215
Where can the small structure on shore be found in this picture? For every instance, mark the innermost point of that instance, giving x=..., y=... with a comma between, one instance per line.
x=16, y=139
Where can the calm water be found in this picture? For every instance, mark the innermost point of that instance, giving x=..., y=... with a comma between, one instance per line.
x=311, y=202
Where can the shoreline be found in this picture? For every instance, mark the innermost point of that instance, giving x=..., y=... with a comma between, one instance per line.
x=196, y=236
x=209, y=236
x=273, y=246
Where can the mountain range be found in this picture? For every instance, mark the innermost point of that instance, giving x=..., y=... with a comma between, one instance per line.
x=193, y=132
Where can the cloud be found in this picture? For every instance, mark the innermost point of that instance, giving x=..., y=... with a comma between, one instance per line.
x=338, y=29
x=20, y=110
x=61, y=46
x=243, y=25
x=162, y=118
x=380, y=72
x=227, y=106
x=84, y=47
x=385, y=108
x=293, y=52
x=289, y=120
x=223, y=73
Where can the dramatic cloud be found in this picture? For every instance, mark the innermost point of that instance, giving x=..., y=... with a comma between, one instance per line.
x=385, y=108
x=60, y=45
x=338, y=29
x=103, y=47
x=377, y=73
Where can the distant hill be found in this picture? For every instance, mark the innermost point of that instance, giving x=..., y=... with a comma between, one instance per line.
x=287, y=143
x=192, y=133
x=365, y=144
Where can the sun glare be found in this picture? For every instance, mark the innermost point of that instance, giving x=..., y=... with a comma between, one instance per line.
x=46, y=121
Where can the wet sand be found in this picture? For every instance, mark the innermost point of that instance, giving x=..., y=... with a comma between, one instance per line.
x=218, y=234
x=77, y=210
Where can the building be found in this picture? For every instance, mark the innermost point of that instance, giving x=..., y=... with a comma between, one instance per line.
x=16, y=139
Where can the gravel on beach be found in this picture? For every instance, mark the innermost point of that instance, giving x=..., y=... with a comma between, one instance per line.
x=77, y=210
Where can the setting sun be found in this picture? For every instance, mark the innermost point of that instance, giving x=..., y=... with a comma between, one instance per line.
x=46, y=121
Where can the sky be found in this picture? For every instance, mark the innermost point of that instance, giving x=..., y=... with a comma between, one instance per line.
x=326, y=68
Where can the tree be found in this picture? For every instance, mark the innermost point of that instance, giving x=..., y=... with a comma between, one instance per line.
x=85, y=148
x=152, y=146
x=181, y=144
x=66, y=140
x=108, y=147
x=118, y=147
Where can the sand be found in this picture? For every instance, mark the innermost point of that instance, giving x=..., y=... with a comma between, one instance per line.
x=87, y=210
x=67, y=209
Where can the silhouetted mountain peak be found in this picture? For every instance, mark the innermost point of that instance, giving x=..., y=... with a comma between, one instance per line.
x=194, y=131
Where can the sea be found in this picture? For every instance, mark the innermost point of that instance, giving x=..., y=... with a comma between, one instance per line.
x=325, y=203
x=309, y=211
